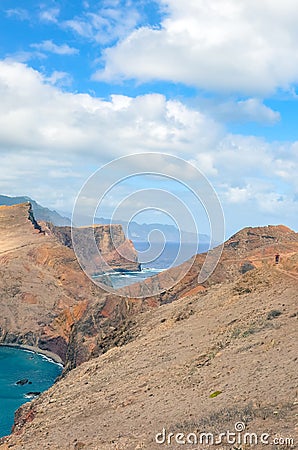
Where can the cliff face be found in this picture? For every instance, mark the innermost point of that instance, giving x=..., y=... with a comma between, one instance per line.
x=116, y=252
x=40, y=213
x=43, y=291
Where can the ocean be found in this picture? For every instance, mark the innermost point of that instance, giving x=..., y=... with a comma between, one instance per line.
x=20, y=365
x=155, y=258
x=159, y=256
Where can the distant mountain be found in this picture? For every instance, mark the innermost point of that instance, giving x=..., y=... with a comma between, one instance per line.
x=140, y=232
x=40, y=213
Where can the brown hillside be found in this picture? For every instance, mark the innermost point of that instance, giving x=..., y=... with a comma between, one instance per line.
x=238, y=339
x=109, y=323
x=235, y=334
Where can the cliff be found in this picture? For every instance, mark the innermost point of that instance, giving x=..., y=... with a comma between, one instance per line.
x=116, y=252
x=40, y=212
x=43, y=291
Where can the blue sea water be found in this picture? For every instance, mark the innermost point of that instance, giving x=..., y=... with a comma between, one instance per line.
x=17, y=364
x=163, y=256
x=121, y=279
x=155, y=258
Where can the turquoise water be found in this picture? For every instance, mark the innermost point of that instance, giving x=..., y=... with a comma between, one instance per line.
x=154, y=258
x=16, y=365
x=122, y=279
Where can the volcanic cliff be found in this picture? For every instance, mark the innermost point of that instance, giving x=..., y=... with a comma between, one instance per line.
x=43, y=291
x=115, y=251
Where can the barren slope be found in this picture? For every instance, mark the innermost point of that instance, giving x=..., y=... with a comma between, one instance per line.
x=104, y=325
x=238, y=338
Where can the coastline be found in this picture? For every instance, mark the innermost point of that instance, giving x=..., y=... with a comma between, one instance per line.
x=50, y=355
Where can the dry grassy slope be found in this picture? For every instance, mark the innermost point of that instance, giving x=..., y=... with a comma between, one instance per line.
x=43, y=292
x=238, y=337
x=103, y=326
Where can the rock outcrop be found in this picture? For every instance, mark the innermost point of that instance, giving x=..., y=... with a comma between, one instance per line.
x=40, y=212
x=115, y=251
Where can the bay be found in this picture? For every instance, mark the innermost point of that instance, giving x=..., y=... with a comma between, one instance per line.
x=154, y=258
x=18, y=365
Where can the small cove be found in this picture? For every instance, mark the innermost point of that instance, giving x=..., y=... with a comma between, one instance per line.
x=22, y=372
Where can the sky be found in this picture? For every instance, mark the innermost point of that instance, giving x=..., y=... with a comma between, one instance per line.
x=213, y=82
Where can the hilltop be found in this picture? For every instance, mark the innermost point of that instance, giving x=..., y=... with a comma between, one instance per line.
x=41, y=213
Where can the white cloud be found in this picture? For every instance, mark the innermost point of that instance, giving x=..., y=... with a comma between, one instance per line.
x=51, y=141
x=48, y=119
x=206, y=163
x=268, y=202
x=49, y=15
x=25, y=56
x=106, y=24
x=241, y=111
x=51, y=47
x=60, y=79
x=238, y=195
x=220, y=45
x=19, y=13
x=254, y=110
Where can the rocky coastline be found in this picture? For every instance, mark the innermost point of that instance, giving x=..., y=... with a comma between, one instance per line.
x=50, y=306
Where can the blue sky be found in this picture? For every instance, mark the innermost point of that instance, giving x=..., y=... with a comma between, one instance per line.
x=214, y=83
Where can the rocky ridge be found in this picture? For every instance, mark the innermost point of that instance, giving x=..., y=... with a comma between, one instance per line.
x=43, y=291
x=40, y=212
x=116, y=252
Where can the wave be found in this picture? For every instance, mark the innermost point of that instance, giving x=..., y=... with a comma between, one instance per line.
x=49, y=359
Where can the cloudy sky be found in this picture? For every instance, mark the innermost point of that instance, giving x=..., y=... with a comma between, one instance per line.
x=213, y=82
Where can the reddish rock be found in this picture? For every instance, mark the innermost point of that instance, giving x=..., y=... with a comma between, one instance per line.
x=111, y=252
